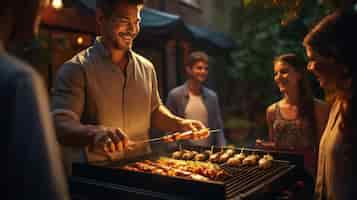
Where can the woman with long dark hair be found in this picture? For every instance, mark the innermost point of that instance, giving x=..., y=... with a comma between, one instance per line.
x=331, y=49
x=296, y=121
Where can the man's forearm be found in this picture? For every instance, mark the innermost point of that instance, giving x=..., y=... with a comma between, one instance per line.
x=71, y=132
x=164, y=120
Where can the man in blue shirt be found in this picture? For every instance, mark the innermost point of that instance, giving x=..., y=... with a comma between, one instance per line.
x=194, y=101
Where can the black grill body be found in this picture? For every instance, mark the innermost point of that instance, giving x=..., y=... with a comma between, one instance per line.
x=107, y=180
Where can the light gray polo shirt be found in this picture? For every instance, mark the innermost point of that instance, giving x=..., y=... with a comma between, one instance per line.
x=90, y=89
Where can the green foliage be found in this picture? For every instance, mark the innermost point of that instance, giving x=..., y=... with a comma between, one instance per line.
x=238, y=123
x=263, y=30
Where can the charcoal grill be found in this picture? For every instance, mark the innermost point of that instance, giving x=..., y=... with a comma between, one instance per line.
x=106, y=180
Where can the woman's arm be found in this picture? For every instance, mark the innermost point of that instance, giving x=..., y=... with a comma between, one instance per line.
x=270, y=120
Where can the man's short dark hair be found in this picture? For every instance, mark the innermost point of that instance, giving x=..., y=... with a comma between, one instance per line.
x=197, y=56
x=107, y=5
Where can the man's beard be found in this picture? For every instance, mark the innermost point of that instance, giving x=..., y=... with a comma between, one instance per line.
x=117, y=44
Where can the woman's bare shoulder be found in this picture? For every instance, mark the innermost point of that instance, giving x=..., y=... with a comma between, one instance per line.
x=270, y=111
x=271, y=108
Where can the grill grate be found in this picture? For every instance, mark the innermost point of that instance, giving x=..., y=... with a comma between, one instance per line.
x=247, y=179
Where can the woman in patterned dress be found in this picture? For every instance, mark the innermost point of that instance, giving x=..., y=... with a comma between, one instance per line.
x=297, y=120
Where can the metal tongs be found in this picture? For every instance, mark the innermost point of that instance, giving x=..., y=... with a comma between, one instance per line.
x=173, y=136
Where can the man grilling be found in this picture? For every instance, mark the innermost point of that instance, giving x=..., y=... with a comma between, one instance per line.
x=106, y=98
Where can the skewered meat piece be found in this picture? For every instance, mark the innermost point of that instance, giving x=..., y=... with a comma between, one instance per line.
x=193, y=135
x=221, y=175
x=131, y=168
x=144, y=167
x=215, y=157
x=177, y=154
x=265, y=163
x=268, y=157
x=240, y=156
x=201, y=157
x=208, y=152
x=203, y=133
x=226, y=155
x=250, y=160
x=198, y=177
x=178, y=172
x=230, y=152
x=196, y=170
x=210, y=170
x=223, y=157
x=159, y=171
x=171, y=138
x=189, y=155
x=234, y=161
x=186, y=135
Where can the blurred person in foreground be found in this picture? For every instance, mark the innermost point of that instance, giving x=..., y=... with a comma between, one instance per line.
x=331, y=50
x=106, y=97
x=195, y=101
x=33, y=168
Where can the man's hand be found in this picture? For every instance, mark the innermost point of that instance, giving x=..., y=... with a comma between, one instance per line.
x=108, y=140
x=264, y=144
x=201, y=134
x=199, y=131
x=190, y=125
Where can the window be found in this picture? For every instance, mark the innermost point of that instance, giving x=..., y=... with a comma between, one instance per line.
x=192, y=3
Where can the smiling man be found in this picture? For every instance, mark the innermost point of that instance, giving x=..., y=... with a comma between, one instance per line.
x=194, y=101
x=106, y=97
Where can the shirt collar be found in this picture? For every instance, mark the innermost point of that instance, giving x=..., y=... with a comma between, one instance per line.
x=98, y=43
x=186, y=90
x=104, y=51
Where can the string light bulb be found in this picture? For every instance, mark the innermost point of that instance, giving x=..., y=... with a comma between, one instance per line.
x=79, y=40
x=57, y=4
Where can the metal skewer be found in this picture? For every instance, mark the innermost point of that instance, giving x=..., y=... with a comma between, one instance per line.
x=215, y=131
x=160, y=138
x=149, y=140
